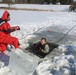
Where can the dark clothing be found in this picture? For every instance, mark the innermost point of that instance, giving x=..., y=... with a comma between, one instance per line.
x=38, y=46
x=1, y=20
x=41, y=49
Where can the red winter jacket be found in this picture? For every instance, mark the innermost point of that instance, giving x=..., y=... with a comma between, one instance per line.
x=5, y=37
x=5, y=28
x=3, y=31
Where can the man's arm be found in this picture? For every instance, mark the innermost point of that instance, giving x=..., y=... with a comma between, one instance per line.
x=36, y=44
x=12, y=29
x=46, y=49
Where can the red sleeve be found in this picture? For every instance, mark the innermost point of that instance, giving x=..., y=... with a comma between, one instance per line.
x=5, y=26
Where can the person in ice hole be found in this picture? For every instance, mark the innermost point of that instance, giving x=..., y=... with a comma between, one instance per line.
x=41, y=47
x=5, y=30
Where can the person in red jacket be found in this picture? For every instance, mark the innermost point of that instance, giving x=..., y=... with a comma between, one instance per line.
x=5, y=30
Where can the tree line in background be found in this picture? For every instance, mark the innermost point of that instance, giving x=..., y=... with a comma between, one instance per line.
x=65, y=2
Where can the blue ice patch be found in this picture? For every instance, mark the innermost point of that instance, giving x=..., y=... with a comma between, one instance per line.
x=4, y=58
x=70, y=49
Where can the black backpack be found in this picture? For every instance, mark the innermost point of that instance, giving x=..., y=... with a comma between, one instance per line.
x=1, y=20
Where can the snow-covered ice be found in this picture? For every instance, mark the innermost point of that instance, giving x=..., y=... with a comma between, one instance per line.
x=58, y=27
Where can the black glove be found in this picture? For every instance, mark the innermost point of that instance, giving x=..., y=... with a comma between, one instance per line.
x=18, y=28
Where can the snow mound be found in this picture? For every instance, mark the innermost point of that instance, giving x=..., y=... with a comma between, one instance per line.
x=4, y=70
x=64, y=64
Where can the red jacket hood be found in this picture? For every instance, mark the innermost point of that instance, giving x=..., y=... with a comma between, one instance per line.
x=5, y=15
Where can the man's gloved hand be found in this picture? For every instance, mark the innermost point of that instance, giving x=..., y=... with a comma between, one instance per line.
x=17, y=28
x=12, y=29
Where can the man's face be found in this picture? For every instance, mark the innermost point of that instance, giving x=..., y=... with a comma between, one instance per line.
x=8, y=18
x=43, y=42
